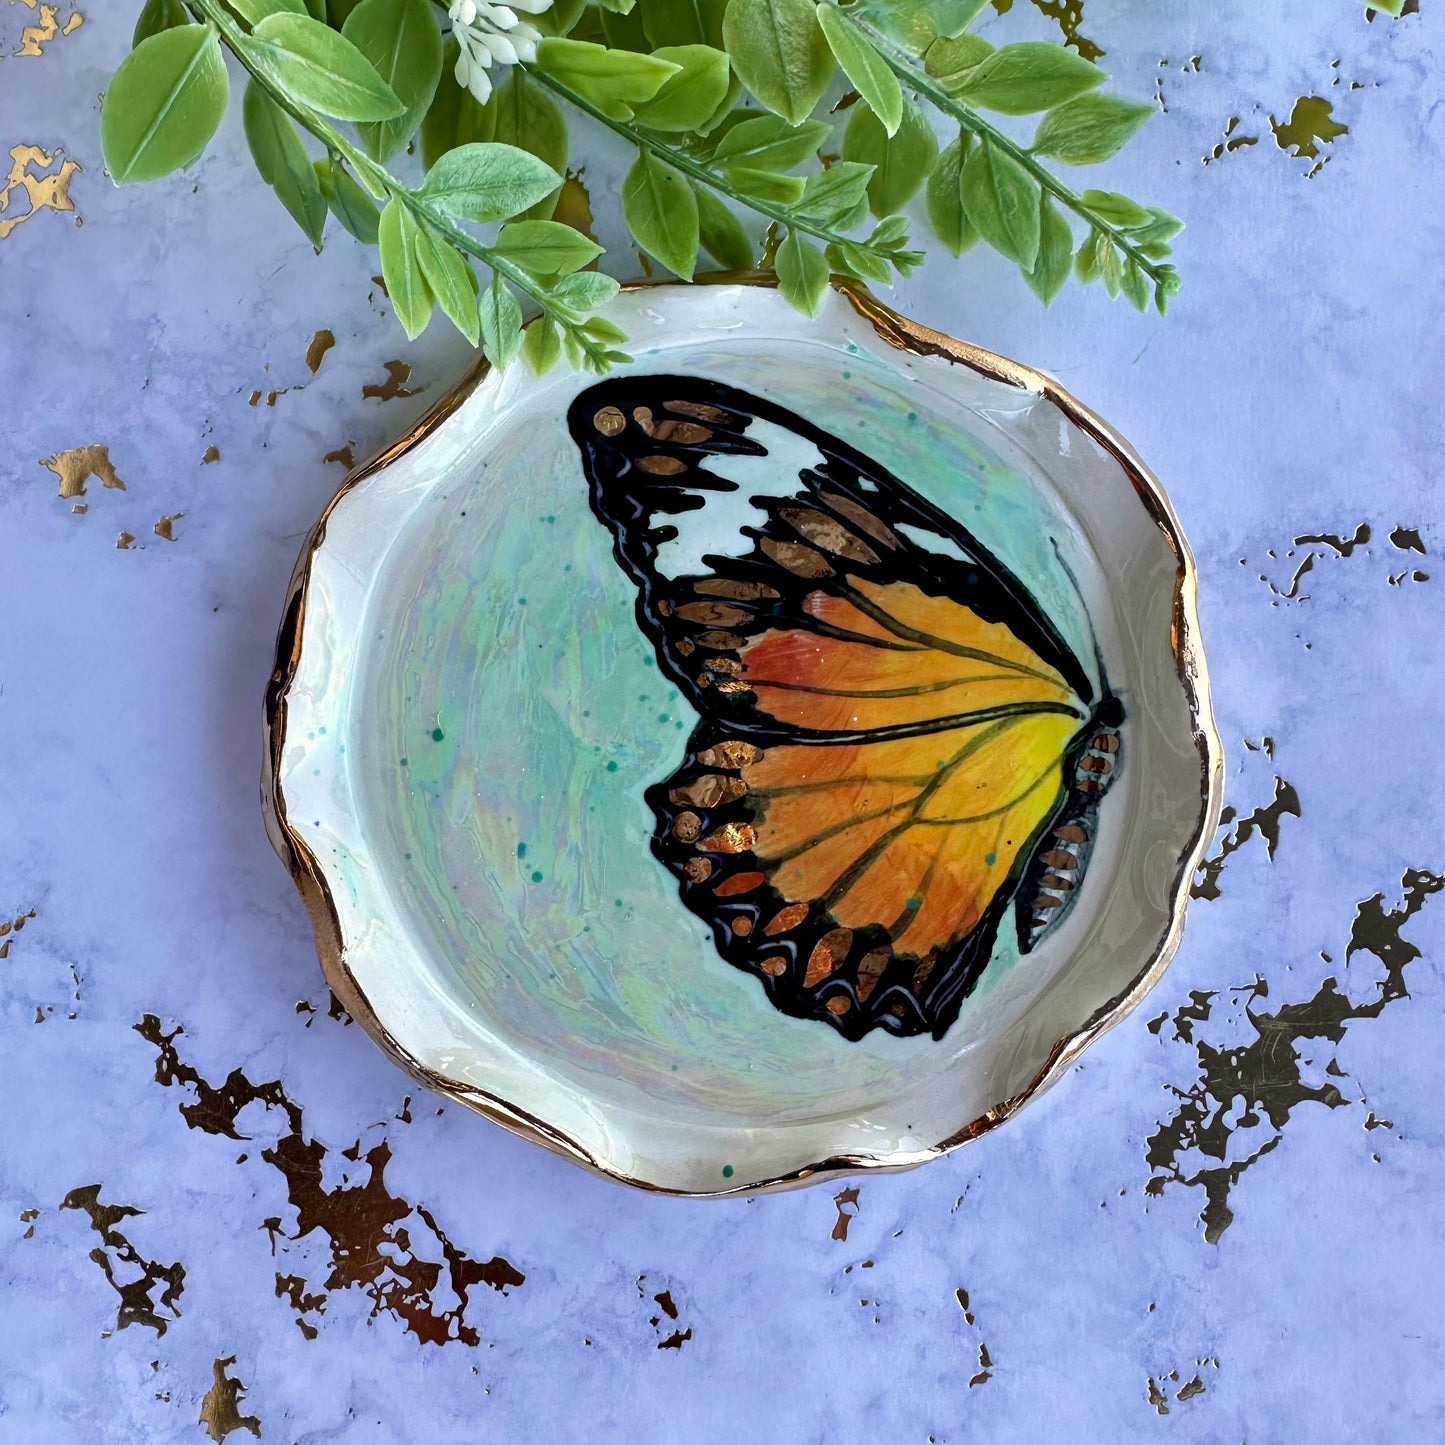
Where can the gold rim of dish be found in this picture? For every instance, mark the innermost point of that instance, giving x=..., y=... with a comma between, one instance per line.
x=907, y=336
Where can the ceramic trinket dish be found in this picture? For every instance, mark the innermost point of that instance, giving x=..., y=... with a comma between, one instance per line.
x=778, y=758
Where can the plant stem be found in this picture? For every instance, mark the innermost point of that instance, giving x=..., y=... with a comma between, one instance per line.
x=379, y=178
x=901, y=64
x=700, y=173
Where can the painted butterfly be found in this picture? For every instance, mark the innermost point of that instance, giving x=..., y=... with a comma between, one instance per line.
x=895, y=743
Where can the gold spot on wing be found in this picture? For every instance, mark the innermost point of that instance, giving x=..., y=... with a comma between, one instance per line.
x=717, y=641
x=860, y=517
x=76, y=467
x=730, y=838
x=714, y=614
x=730, y=754
x=709, y=791
x=790, y=917
x=829, y=951
x=686, y=827
x=699, y=410
x=609, y=421
x=826, y=533
x=838, y=1004
x=698, y=870
x=801, y=561
x=742, y=926
x=732, y=587
x=870, y=970
x=738, y=883
x=775, y=966
x=660, y=466
x=1056, y=858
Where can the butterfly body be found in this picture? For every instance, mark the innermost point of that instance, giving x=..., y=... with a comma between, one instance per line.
x=892, y=731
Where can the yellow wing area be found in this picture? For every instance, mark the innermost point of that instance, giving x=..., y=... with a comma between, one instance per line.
x=915, y=833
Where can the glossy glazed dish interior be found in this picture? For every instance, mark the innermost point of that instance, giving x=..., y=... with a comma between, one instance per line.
x=467, y=717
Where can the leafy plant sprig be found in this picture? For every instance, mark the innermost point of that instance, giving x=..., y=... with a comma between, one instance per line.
x=726, y=103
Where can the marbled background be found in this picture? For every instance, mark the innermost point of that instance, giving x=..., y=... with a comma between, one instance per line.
x=223, y=1203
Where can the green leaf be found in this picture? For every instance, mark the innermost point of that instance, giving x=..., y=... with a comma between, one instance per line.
x=488, y=181
x=660, y=209
x=1023, y=78
x=337, y=11
x=316, y=9
x=1090, y=129
x=837, y=197
x=1002, y=200
x=863, y=65
x=402, y=40
x=766, y=186
x=1136, y=286
x=545, y=248
x=945, y=198
x=1056, y=253
x=721, y=233
x=253, y=12
x=855, y=260
x=618, y=7
x=1086, y=259
x=683, y=22
x=900, y=164
x=163, y=105
x=541, y=345
x=779, y=52
x=1160, y=229
x=454, y=117
x=613, y=80
x=320, y=68
x=952, y=62
x=687, y=100
x=527, y=117
x=769, y=143
x=585, y=290
x=915, y=23
x=501, y=324
x=411, y=297
x=158, y=15
x=1111, y=265
x=802, y=273
x=1116, y=209
x=282, y=161
x=451, y=281
x=348, y=201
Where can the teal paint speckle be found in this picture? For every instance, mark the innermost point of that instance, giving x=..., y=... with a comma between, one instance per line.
x=612, y=767
x=407, y=856
x=727, y=1171
x=437, y=735
x=914, y=903
x=403, y=763
x=521, y=602
x=521, y=850
x=990, y=859
x=536, y=875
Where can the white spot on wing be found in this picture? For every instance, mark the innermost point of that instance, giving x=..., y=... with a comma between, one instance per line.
x=716, y=528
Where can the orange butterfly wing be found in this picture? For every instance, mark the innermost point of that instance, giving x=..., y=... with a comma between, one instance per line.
x=882, y=750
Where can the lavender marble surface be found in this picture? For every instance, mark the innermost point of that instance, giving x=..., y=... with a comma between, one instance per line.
x=218, y=1200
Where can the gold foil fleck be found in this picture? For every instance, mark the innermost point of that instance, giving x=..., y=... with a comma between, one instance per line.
x=34, y=36
x=80, y=507
x=73, y=24
x=342, y=455
x=1309, y=126
x=212, y=454
x=398, y=373
x=124, y=541
x=321, y=343
x=574, y=208
x=163, y=527
x=76, y=467
x=221, y=1405
x=843, y=1199
x=116, y=1255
